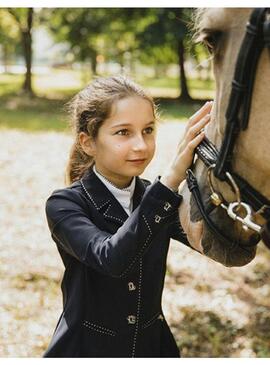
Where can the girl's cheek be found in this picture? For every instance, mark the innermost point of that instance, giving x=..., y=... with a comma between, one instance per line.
x=120, y=149
x=152, y=144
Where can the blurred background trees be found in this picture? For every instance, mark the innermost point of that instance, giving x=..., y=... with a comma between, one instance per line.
x=153, y=37
x=20, y=22
x=51, y=53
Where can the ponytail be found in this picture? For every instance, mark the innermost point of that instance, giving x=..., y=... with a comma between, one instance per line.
x=79, y=162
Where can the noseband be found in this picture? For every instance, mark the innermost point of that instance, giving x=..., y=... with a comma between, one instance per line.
x=219, y=163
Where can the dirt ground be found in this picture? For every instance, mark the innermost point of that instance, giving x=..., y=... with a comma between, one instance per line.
x=213, y=311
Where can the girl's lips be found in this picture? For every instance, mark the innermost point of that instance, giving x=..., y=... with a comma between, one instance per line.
x=137, y=161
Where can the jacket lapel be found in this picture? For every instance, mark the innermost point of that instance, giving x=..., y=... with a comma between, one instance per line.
x=105, y=202
x=138, y=192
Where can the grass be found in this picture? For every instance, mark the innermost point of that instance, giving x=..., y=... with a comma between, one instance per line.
x=199, y=89
x=205, y=334
x=41, y=114
x=174, y=110
x=53, y=90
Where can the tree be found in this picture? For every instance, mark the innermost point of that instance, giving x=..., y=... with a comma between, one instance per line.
x=81, y=28
x=24, y=21
x=155, y=36
x=9, y=37
x=168, y=28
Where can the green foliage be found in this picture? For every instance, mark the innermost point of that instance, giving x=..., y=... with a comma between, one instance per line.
x=81, y=28
x=95, y=31
x=9, y=34
x=159, y=39
x=205, y=334
x=258, y=331
x=122, y=35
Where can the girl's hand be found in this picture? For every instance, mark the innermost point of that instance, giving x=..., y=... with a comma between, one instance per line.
x=176, y=172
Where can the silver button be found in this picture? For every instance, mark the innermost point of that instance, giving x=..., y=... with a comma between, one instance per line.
x=131, y=286
x=167, y=206
x=157, y=218
x=131, y=319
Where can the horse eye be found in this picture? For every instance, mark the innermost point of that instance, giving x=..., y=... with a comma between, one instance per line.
x=211, y=39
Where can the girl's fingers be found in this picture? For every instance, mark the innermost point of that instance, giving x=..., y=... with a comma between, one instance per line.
x=202, y=123
x=196, y=141
x=200, y=113
x=192, y=132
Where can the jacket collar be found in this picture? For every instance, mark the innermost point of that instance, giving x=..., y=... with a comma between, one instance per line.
x=104, y=201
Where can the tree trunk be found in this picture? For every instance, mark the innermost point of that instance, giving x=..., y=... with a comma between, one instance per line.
x=184, y=96
x=27, y=47
x=5, y=57
x=93, y=63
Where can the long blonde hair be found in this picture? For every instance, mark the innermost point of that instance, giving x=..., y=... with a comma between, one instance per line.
x=88, y=110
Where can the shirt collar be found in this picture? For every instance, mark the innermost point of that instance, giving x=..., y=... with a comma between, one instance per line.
x=124, y=196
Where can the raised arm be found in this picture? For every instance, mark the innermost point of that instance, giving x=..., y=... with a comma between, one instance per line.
x=111, y=254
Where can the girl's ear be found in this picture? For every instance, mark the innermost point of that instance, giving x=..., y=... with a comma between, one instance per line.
x=87, y=144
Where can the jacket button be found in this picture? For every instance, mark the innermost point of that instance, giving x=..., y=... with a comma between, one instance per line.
x=131, y=286
x=157, y=218
x=167, y=206
x=131, y=319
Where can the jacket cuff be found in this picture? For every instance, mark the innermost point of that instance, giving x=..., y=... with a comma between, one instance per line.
x=162, y=192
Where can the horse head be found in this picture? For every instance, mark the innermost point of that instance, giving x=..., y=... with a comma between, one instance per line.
x=223, y=32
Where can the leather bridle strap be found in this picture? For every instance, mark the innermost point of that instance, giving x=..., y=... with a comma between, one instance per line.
x=208, y=153
x=195, y=191
x=266, y=34
x=237, y=114
x=265, y=234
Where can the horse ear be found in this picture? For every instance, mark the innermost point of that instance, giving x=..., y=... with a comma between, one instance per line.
x=266, y=234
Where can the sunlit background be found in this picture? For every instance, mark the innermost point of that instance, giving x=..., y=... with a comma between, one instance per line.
x=46, y=56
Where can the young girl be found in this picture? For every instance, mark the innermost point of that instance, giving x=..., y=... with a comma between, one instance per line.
x=112, y=228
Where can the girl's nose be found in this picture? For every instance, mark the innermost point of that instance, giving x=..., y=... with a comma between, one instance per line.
x=139, y=143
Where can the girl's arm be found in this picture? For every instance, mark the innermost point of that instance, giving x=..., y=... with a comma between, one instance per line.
x=111, y=254
x=176, y=171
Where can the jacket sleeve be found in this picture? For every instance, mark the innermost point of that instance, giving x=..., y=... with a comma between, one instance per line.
x=111, y=254
x=176, y=231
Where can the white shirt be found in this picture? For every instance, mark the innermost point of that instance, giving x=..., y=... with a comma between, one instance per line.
x=124, y=196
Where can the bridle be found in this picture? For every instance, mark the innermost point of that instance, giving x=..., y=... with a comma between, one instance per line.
x=248, y=200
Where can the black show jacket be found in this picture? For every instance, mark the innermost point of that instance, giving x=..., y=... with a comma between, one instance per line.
x=114, y=269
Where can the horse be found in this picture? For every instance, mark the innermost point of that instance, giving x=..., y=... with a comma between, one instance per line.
x=226, y=195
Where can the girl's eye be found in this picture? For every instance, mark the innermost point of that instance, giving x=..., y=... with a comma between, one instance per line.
x=149, y=130
x=122, y=132
x=125, y=132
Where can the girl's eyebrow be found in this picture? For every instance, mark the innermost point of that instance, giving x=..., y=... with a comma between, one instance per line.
x=130, y=124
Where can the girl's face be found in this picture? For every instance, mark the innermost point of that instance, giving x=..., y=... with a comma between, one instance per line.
x=125, y=143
